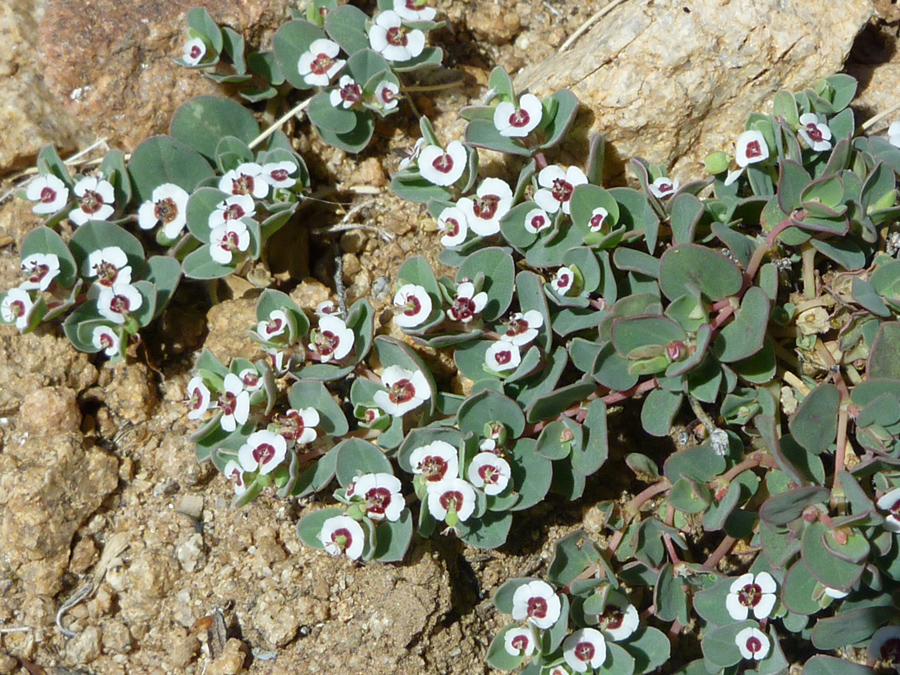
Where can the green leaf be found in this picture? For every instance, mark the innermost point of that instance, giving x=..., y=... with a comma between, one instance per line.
x=632, y=334
x=481, y=133
x=650, y=648
x=313, y=394
x=550, y=405
x=497, y=656
x=685, y=212
x=716, y=276
x=567, y=106
x=489, y=406
x=98, y=234
x=689, y=497
x=346, y=25
x=497, y=266
x=814, y=424
x=864, y=294
x=164, y=273
x=487, y=532
x=700, y=463
x=353, y=141
x=719, y=645
x=558, y=438
x=393, y=538
x=829, y=665
x=744, y=336
x=587, y=459
x=670, y=598
x=849, y=628
x=786, y=507
x=328, y=118
x=798, y=589
x=199, y=20
x=202, y=121
x=884, y=356
x=588, y=197
x=618, y=661
x=311, y=524
x=830, y=570
x=356, y=456
x=502, y=86
x=658, y=411
x=573, y=554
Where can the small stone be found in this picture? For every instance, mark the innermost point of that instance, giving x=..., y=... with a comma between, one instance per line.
x=84, y=647
x=276, y=618
x=190, y=553
x=351, y=267
x=183, y=649
x=116, y=638
x=8, y=664
x=353, y=241
x=231, y=661
x=370, y=173
x=495, y=24
x=191, y=506
x=82, y=555
x=50, y=410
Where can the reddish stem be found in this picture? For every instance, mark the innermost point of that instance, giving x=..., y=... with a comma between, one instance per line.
x=642, y=388
x=721, y=551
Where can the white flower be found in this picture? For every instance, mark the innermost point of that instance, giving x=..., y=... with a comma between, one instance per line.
x=815, y=134
x=278, y=174
x=584, y=648
x=234, y=403
x=519, y=642
x=890, y=502
x=502, y=356
x=406, y=390
x=198, y=398
x=235, y=473
x=753, y=643
x=415, y=304
x=386, y=95
x=835, y=593
x=109, y=265
x=407, y=161
x=194, y=51
x=414, y=10
x=751, y=148
x=598, y=219
x=537, y=220
x=251, y=379
x=227, y=240
x=522, y=328
x=263, y=451
x=247, y=179
x=348, y=93
x=95, y=199
x=558, y=670
x=106, y=339
x=116, y=302
x=435, y=462
x=452, y=223
x=275, y=325
x=17, y=307
x=232, y=208
x=167, y=207
x=392, y=40
x=518, y=122
x=483, y=213
x=885, y=645
x=467, y=303
x=332, y=340
x=557, y=185
x=563, y=281
x=663, y=187
x=317, y=65
x=442, y=167
x=451, y=496
x=619, y=623
x=893, y=135
x=748, y=592
x=50, y=193
x=381, y=494
x=489, y=472
x=342, y=534
x=298, y=425
x=41, y=269
x=537, y=602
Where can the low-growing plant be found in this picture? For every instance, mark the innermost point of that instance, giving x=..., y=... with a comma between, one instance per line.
x=749, y=316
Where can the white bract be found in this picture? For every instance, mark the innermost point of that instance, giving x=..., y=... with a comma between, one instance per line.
x=519, y=642
x=752, y=643
x=105, y=339
x=518, y=122
x=327, y=308
x=235, y=473
x=225, y=241
x=467, y=304
x=247, y=179
x=317, y=65
x=348, y=93
x=598, y=219
x=381, y=496
x=536, y=602
x=522, y=328
x=278, y=174
x=663, y=187
x=451, y=500
x=537, y=220
x=109, y=265
x=894, y=134
x=435, y=462
x=251, y=379
x=194, y=51
x=232, y=208
x=41, y=269
x=483, y=212
x=557, y=185
x=414, y=10
x=298, y=425
x=234, y=403
x=386, y=95
x=406, y=390
x=415, y=306
x=452, y=223
x=50, y=193
x=490, y=473
x=442, y=167
x=17, y=307
x=618, y=623
x=394, y=41
x=563, y=281
x=751, y=148
x=118, y=301
x=342, y=534
x=167, y=207
x=502, y=356
x=263, y=452
x=814, y=133
x=198, y=400
x=749, y=592
x=885, y=645
x=275, y=325
x=583, y=649
x=407, y=161
x=890, y=502
x=332, y=340
x=95, y=200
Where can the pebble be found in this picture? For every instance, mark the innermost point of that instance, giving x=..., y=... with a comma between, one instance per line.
x=231, y=662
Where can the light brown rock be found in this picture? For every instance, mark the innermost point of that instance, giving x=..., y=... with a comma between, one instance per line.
x=672, y=86
x=231, y=661
x=49, y=410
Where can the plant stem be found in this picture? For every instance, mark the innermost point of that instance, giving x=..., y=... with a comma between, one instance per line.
x=721, y=551
x=278, y=123
x=632, y=508
x=642, y=388
x=808, y=257
x=762, y=249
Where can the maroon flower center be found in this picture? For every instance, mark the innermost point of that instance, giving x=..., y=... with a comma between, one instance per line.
x=230, y=241
x=351, y=93
x=539, y=222
x=263, y=453
x=463, y=309
x=396, y=36
x=387, y=95
x=242, y=185
x=234, y=212
x=292, y=426
x=451, y=226
x=38, y=272
x=890, y=650
x=416, y=5
x=754, y=150
x=750, y=595
x=237, y=476
x=321, y=64
x=562, y=190
x=613, y=618
x=452, y=501
x=17, y=308
x=489, y=474
x=91, y=201
x=814, y=133
x=165, y=210
x=228, y=403
x=106, y=342
x=279, y=174
x=326, y=342
x=48, y=195
x=520, y=642
x=754, y=644
x=895, y=508
x=196, y=51
x=342, y=538
x=584, y=651
x=119, y=304
x=433, y=468
x=564, y=281
x=403, y=391
x=597, y=221
x=273, y=326
x=665, y=187
x=377, y=500
x=486, y=207
x=537, y=607
x=196, y=401
x=516, y=327
x=250, y=380
x=413, y=306
x=107, y=273
x=519, y=119
x=503, y=357
x=443, y=163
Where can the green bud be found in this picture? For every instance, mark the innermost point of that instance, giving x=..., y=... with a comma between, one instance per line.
x=717, y=162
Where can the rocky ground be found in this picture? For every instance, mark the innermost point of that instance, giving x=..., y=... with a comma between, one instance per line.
x=102, y=498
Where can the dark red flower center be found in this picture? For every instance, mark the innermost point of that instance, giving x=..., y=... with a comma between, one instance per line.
x=228, y=402
x=342, y=538
x=387, y=95
x=463, y=309
x=503, y=357
x=263, y=453
x=665, y=187
x=520, y=118
x=452, y=500
x=451, y=226
x=517, y=326
x=377, y=500
x=91, y=201
x=165, y=210
x=613, y=618
x=562, y=190
x=291, y=425
x=196, y=51
x=564, y=280
x=489, y=474
x=196, y=401
x=584, y=651
x=326, y=342
x=234, y=212
x=17, y=308
x=48, y=195
x=413, y=306
x=250, y=380
x=433, y=468
x=537, y=607
x=396, y=36
x=754, y=644
x=754, y=150
x=38, y=272
x=279, y=175
x=890, y=650
x=443, y=163
x=321, y=64
x=520, y=642
x=119, y=304
x=814, y=132
x=351, y=93
x=274, y=326
x=106, y=342
x=597, y=221
x=750, y=595
x=242, y=185
x=539, y=222
x=402, y=391
x=107, y=273
x=486, y=207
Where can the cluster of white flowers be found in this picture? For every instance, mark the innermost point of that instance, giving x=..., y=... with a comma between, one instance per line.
x=96, y=197
x=504, y=355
